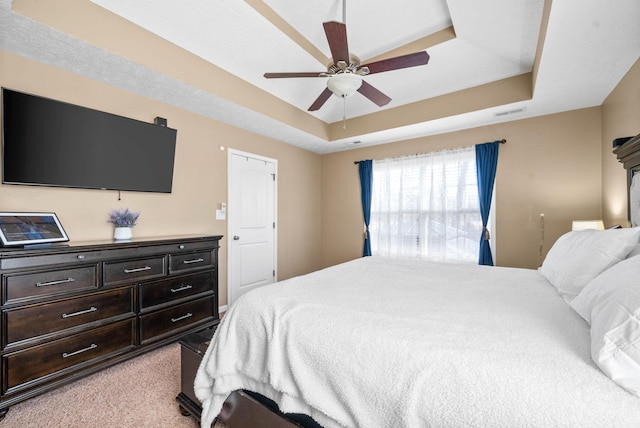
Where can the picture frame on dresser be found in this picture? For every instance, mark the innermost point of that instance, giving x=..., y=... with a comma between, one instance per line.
x=27, y=229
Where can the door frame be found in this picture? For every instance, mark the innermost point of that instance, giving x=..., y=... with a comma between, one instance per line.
x=230, y=154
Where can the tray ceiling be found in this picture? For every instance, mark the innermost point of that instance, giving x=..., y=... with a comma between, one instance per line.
x=562, y=56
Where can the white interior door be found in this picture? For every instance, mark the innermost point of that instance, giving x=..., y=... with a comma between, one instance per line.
x=251, y=211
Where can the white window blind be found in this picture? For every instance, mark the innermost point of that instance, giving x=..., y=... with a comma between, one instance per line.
x=426, y=206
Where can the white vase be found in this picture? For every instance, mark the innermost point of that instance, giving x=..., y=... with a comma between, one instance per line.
x=121, y=233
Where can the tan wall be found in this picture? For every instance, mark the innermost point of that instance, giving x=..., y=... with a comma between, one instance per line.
x=620, y=118
x=549, y=165
x=200, y=174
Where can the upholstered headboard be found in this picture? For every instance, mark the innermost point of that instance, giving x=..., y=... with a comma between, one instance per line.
x=629, y=155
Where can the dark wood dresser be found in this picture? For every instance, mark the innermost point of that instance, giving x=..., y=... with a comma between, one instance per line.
x=71, y=310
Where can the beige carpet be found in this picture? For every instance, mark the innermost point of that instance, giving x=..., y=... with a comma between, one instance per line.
x=137, y=393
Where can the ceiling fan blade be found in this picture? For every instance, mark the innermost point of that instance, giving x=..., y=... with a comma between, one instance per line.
x=319, y=102
x=404, y=61
x=373, y=94
x=302, y=74
x=337, y=37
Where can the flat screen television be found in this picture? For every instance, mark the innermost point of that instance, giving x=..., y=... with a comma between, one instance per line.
x=53, y=143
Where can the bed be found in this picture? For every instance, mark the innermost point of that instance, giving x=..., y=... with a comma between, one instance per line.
x=448, y=345
x=379, y=342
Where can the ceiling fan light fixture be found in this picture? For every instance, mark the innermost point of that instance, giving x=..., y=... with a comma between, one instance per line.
x=344, y=84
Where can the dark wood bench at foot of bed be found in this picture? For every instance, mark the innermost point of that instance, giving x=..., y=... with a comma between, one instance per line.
x=242, y=409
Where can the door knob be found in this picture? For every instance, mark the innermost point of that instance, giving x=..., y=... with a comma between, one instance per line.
x=236, y=237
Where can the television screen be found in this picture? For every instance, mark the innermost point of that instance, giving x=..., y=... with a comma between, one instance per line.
x=53, y=143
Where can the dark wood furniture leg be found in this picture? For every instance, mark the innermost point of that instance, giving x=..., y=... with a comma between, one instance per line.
x=192, y=348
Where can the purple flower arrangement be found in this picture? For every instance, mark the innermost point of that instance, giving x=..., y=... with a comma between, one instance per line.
x=123, y=217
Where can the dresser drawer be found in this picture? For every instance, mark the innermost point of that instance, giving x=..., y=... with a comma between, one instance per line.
x=160, y=324
x=24, y=368
x=190, y=261
x=167, y=290
x=25, y=286
x=47, y=318
x=134, y=270
x=184, y=246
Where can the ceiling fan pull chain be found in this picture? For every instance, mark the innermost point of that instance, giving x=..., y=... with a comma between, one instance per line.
x=344, y=112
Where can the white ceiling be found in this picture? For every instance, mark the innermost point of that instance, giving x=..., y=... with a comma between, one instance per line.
x=494, y=41
x=588, y=47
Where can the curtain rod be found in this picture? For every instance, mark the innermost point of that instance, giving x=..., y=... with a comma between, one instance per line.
x=503, y=141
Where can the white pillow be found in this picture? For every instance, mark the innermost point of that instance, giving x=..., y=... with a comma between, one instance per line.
x=611, y=304
x=635, y=251
x=579, y=256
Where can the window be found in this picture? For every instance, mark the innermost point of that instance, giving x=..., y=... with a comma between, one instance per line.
x=426, y=206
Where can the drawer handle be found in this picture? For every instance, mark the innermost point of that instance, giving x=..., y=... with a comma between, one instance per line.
x=80, y=351
x=184, y=287
x=60, y=281
x=188, y=262
x=75, y=314
x=140, y=269
x=184, y=317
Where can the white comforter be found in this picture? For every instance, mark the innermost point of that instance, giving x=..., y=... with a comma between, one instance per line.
x=402, y=343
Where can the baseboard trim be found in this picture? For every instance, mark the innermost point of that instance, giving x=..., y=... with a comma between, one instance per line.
x=222, y=309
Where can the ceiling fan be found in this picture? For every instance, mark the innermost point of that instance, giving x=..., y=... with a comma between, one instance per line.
x=345, y=72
